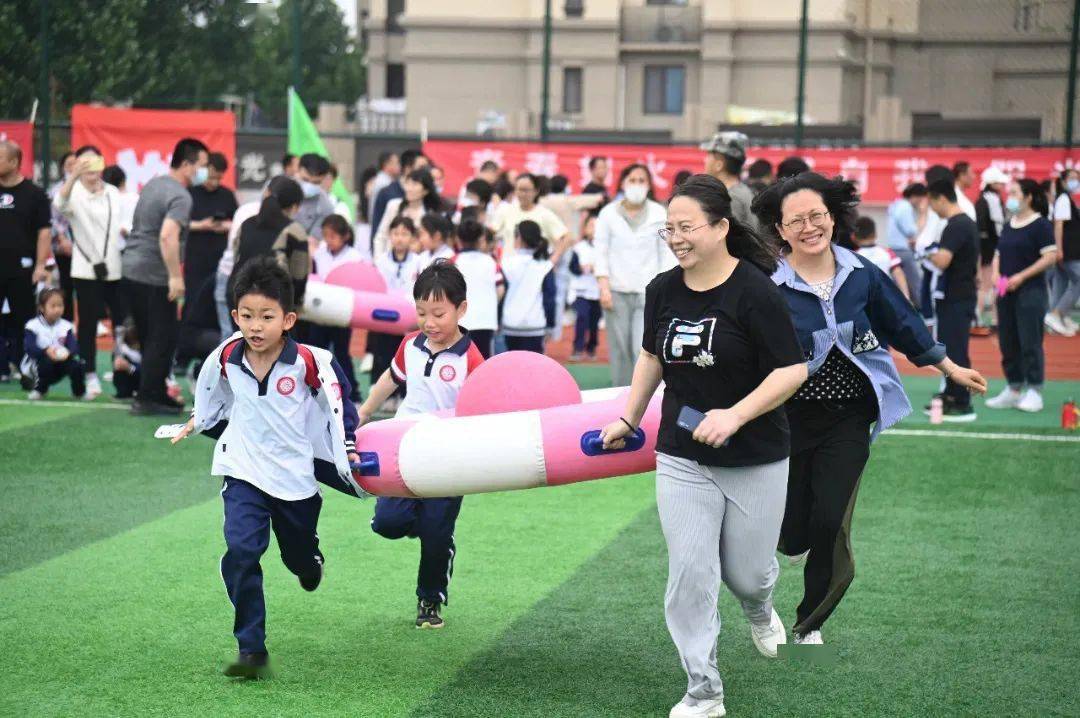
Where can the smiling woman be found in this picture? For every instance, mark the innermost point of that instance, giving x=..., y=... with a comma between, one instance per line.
x=841, y=303
x=717, y=331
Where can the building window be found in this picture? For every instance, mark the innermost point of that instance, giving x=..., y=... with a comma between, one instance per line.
x=394, y=10
x=665, y=89
x=666, y=2
x=574, y=8
x=395, y=80
x=571, y=90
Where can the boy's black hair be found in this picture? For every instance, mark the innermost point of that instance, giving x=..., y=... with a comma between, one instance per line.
x=864, y=227
x=469, y=233
x=482, y=189
x=559, y=184
x=114, y=175
x=442, y=279
x=472, y=212
x=263, y=275
x=315, y=165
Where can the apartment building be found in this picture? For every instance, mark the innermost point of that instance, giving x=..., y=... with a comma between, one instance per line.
x=885, y=70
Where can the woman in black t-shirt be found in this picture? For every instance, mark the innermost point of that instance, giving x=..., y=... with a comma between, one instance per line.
x=717, y=331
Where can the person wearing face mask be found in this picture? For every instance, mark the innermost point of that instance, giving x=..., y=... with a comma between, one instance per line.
x=718, y=333
x=846, y=311
x=629, y=252
x=1026, y=249
x=317, y=205
x=92, y=209
x=150, y=269
x=274, y=231
x=1065, y=285
x=990, y=216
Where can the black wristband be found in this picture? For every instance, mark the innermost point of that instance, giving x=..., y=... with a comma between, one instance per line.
x=627, y=423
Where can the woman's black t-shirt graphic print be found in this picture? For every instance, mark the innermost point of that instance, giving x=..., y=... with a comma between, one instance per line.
x=715, y=347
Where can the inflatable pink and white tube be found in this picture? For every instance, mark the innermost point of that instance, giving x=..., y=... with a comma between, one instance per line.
x=354, y=295
x=429, y=456
x=520, y=422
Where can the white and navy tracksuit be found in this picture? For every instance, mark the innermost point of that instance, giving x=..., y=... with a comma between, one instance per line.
x=433, y=381
x=38, y=336
x=529, y=305
x=276, y=438
x=126, y=382
x=400, y=276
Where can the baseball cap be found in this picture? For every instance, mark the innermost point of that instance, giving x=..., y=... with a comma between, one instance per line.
x=993, y=175
x=730, y=144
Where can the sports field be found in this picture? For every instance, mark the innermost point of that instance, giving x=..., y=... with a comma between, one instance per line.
x=966, y=599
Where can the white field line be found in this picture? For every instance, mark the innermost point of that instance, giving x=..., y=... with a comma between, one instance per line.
x=982, y=435
x=67, y=404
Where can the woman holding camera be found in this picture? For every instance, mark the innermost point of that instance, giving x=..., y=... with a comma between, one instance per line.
x=92, y=207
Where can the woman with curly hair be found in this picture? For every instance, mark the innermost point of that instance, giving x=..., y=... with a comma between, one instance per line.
x=846, y=312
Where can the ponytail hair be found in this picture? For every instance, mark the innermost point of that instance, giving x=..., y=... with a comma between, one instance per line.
x=742, y=241
x=283, y=193
x=339, y=225
x=531, y=236
x=1035, y=194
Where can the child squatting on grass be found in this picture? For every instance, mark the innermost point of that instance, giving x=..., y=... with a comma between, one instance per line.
x=282, y=416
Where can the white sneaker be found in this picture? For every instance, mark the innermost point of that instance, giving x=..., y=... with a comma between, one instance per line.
x=1070, y=324
x=1031, y=401
x=800, y=559
x=93, y=389
x=1007, y=399
x=711, y=708
x=102, y=330
x=1054, y=323
x=813, y=638
x=767, y=638
x=35, y=395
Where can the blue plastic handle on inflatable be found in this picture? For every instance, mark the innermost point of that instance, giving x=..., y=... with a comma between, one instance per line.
x=385, y=315
x=593, y=445
x=368, y=464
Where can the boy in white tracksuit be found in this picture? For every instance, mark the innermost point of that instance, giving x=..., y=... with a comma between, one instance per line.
x=281, y=413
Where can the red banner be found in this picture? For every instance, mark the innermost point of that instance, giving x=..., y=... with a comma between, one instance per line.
x=22, y=134
x=142, y=141
x=880, y=173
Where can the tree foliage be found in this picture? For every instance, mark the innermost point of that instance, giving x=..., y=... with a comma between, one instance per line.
x=180, y=53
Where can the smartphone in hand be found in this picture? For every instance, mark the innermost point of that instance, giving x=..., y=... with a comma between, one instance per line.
x=689, y=419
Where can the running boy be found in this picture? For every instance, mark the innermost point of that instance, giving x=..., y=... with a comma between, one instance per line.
x=282, y=412
x=432, y=364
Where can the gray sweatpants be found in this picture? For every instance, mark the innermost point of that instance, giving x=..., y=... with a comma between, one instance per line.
x=721, y=524
x=624, y=324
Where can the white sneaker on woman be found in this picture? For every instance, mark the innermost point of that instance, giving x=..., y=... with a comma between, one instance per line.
x=767, y=638
x=1031, y=401
x=1007, y=399
x=710, y=708
x=811, y=638
x=1070, y=324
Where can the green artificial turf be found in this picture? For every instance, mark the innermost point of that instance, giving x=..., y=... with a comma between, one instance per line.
x=965, y=601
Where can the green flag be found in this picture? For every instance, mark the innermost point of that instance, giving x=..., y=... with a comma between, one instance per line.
x=304, y=139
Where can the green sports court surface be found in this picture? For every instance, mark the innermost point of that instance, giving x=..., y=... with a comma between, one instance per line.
x=966, y=600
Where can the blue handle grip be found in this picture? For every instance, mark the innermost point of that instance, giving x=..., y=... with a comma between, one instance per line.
x=368, y=464
x=385, y=315
x=593, y=445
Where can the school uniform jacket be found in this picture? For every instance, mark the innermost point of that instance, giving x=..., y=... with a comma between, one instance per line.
x=330, y=430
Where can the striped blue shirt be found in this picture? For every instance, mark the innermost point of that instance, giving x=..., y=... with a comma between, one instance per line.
x=865, y=305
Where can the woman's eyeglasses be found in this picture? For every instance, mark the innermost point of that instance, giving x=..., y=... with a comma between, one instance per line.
x=667, y=233
x=798, y=223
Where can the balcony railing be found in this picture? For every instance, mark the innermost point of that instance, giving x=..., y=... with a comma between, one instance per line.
x=661, y=24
